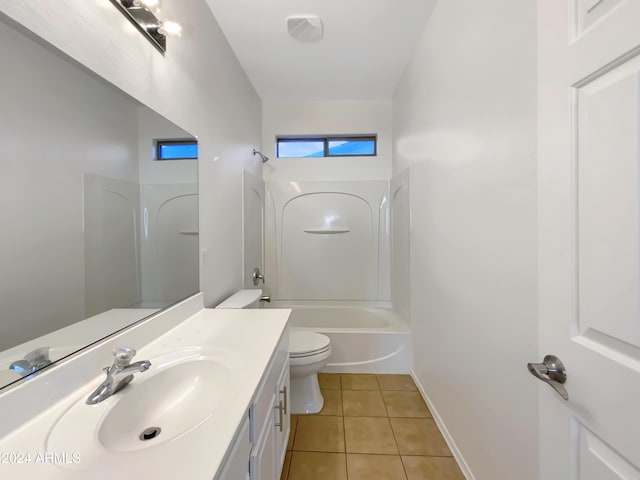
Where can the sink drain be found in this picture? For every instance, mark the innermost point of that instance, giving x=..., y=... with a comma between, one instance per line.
x=149, y=433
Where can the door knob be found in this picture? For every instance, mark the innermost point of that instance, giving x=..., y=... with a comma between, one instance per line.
x=551, y=371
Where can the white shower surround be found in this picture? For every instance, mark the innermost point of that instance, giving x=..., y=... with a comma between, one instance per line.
x=347, y=295
x=327, y=241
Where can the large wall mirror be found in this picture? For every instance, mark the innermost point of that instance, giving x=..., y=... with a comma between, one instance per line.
x=96, y=233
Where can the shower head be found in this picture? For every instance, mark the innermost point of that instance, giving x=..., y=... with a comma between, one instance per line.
x=264, y=159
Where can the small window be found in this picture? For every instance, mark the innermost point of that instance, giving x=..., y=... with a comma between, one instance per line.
x=176, y=149
x=310, y=147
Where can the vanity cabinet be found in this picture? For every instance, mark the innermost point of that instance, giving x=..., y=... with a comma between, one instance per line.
x=283, y=418
x=237, y=465
x=260, y=445
x=271, y=421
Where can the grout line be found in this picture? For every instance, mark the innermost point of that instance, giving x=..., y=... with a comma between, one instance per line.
x=375, y=454
x=344, y=432
x=404, y=468
x=290, y=462
x=293, y=440
x=428, y=456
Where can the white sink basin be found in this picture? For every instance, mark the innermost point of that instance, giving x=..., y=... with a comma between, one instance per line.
x=180, y=391
x=175, y=400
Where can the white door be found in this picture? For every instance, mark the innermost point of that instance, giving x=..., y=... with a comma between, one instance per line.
x=589, y=241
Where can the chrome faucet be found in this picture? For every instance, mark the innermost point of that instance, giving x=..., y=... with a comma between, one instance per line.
x=32, y=362
x=118, y=375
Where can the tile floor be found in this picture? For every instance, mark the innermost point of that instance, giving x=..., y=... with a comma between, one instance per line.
x=372, y=427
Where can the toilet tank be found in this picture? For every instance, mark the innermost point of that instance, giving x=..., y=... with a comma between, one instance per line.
x=243, y=299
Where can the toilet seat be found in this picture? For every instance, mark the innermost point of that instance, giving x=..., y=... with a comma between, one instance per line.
x=307, y=344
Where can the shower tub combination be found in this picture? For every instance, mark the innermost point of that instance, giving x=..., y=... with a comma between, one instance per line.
x=364, y=339
x=327, y=257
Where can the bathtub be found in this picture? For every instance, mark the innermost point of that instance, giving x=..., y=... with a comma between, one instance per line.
x=363, y=339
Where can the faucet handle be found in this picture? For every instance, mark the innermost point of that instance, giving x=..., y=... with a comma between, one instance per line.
x=123, y=356
x=257, y=276
x=40, y=356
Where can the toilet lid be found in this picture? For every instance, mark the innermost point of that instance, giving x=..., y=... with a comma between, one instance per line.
x=307, y=343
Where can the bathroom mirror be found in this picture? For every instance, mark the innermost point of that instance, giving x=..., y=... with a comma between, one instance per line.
x=96, y=233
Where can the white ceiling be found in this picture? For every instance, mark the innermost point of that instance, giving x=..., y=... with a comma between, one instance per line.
x=366, y=47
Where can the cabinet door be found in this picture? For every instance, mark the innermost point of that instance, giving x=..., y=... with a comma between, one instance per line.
x=262, y=466
x=282, y=418
x=236, y=466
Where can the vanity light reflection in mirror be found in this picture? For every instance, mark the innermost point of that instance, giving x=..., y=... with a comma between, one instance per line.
x=78, y=172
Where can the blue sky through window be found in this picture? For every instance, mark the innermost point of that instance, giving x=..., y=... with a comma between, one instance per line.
x=177, y=150
x=351, y=147
x=300, y=149
x=335, y=147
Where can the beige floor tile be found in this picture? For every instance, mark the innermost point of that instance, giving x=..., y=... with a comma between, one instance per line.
x=405, y=404
x=332, y=403
x=316, y=433
x=318, y=466
x=378, y=467
x=292, y=433
x=419, y=436
x=432, y=468
x=329, y=381
x=396, y=382
x=285, y=468
x=353, y=381
x=363, y=403
x=369, y=435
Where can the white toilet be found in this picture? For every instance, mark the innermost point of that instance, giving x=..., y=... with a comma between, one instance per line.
x=308, y=353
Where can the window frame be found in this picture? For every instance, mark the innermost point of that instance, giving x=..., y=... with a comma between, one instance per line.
x=325, y=139
x=160, y=142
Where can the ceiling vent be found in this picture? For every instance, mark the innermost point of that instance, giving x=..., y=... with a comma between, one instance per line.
x=305, y=28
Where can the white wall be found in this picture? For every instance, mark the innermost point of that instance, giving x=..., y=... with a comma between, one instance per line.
x=54, y=128
x=198, y=84
x=342, y=117
x=464, y=118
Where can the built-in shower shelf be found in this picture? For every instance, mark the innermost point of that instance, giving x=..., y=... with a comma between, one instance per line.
x=189, y=232
x=327, y=231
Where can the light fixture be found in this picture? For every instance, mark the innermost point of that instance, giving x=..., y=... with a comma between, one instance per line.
x=305, y=28
x=170, y=29
x=150, y=4
x=140, y=14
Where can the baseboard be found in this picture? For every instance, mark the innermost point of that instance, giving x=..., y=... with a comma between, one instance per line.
x=466, y=471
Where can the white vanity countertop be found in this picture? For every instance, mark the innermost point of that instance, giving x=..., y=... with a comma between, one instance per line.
x=249, y=336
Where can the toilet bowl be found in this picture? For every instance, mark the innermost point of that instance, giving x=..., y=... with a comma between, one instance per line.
x=308, y=353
